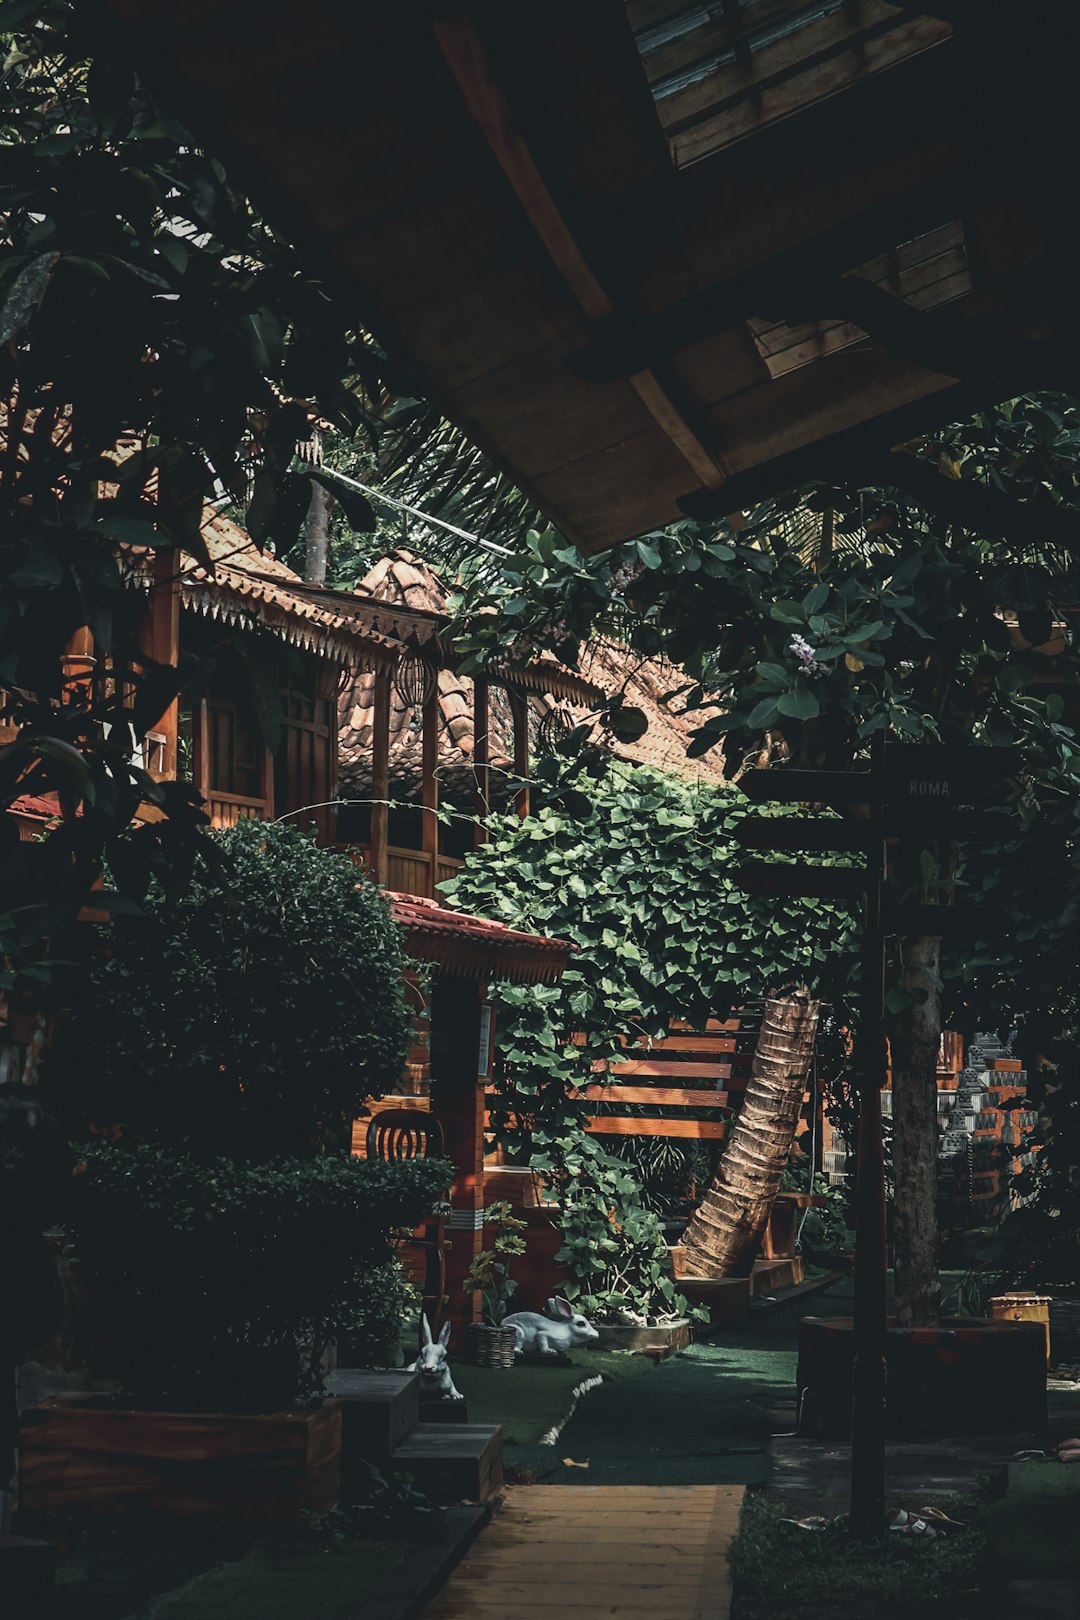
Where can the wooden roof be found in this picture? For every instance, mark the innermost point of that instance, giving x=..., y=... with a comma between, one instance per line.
x=402, y=578
x=635, y=247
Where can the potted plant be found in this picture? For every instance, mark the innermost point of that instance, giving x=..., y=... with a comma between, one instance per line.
x=488, y=1343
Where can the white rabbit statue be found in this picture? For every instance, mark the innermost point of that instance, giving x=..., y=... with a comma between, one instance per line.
x=436, y=1383
x=540, y=1336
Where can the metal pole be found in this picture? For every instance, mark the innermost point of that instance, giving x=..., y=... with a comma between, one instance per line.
x=871, y=1260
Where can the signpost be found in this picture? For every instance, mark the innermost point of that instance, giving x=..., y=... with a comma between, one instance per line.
x=908, y=792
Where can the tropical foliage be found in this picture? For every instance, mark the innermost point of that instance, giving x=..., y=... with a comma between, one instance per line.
x=161, y=346
x=936, y=609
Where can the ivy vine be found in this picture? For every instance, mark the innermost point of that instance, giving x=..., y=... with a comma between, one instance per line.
x=639, y=874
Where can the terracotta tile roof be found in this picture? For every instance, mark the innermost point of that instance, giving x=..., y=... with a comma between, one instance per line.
x=476, y=947
x=251, y=587
x=605, y=669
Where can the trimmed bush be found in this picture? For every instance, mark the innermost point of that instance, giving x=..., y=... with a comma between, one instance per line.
x=216, y=1286
x=250, y=1017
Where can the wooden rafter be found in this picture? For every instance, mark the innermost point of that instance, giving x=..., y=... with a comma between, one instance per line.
x=469, y=64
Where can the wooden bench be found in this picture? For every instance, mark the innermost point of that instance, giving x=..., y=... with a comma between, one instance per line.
x=652, y=1080
x=778, y=1242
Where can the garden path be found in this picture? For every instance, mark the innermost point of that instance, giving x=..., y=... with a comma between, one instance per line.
x=588, y=1552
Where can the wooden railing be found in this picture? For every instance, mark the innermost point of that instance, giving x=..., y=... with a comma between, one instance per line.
x=410, y=870
x=226, y=809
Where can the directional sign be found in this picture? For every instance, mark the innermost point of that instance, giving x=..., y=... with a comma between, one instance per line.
x=938, y=822
x=812, y=882
x=909, y=774
x=910, y=821
x=798, y=832
x=934, y=774
x=809, y=787
x=915, y=921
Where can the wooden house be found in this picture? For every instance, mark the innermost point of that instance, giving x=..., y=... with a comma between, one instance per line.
x=439, y=753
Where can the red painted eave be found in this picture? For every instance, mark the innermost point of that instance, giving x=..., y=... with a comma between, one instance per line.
x=477, y=947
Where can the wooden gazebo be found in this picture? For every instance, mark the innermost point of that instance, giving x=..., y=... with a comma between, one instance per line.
x=465, y=954
x=660, y=258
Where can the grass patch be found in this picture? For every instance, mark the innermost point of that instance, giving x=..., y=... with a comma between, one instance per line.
x=529, y=1401
x=801, y=1575
x=1031, y=1530
x=284, y=1583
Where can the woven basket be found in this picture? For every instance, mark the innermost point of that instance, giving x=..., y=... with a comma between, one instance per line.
x=490, y=1346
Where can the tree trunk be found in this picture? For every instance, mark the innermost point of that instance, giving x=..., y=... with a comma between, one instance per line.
x=725, y=1232
x=317, y=534
x=914, y=1040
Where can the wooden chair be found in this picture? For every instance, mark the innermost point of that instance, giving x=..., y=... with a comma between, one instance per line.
x=406, y=1133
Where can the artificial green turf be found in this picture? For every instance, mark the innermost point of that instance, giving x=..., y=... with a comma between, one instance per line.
x=529, y=1401
x=1034, y=1529
x=330, y=1580
x=781, y=1571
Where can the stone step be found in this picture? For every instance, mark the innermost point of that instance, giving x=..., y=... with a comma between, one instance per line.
x=452, y=1462
x=380, y=1409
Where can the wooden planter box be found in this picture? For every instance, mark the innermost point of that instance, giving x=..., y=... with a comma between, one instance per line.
x=665, y=1338
x=78, y=1456
x=968, y=1376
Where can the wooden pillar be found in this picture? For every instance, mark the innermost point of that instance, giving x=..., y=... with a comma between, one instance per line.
x=380, y=776
x=481, y=755
x=458, y=1098
x=429, y=785
x=200, y=748
x=159, y=638
x=519, y=710
x=77, y=663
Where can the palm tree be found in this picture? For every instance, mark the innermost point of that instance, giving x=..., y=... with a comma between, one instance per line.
x=724, y=1234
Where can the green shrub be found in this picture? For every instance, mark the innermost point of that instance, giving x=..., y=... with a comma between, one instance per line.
x=250, y=1017
x=215, y=1285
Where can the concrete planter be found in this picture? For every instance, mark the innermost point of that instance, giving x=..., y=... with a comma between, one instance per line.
x=665, y=1338
x=968, y=1376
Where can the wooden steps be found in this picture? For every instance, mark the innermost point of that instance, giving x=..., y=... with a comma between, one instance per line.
x=379, y=1408
x=594, y=1551
x=452, y=1462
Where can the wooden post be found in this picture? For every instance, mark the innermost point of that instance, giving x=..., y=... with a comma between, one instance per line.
x=159, y=638
x=871, y=1259
x=519, y=710
x=429, y=785
x=77, y=663
x=481, y=755
x=201, y=750
x=457, y=1098
x=380, y=776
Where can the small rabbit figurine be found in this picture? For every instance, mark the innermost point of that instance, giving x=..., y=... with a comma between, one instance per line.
x=436, y=1383
x=539, y=1336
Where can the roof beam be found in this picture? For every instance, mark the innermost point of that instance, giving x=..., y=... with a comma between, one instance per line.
x=469, y=64
x=625, y=345
x=976, y=350
x=842, y=457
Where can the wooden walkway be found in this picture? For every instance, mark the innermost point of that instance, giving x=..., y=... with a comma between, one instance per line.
x=588, y=1552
